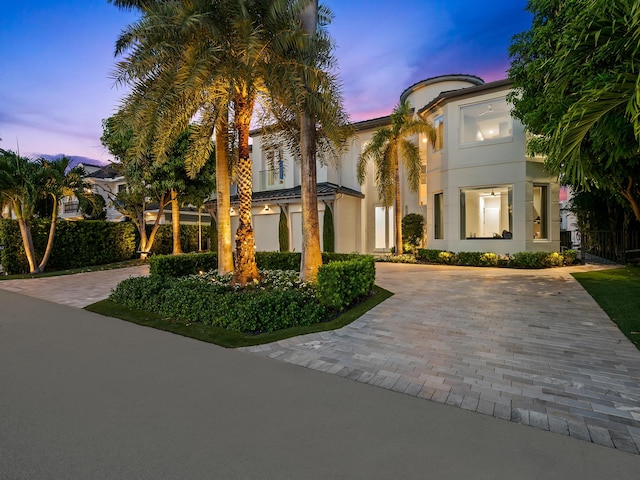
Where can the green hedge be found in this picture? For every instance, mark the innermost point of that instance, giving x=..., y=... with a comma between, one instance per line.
x=163, y=243
x=342, y=283
x=192, y=300
x=181, y=265
x=487, y=259
x=76, y=244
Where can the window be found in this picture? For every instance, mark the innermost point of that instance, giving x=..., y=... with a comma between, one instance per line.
x=438, y=124
x=438, y=216
x=273, y=174
x=122, y=187
x=486, y=212
x=540, y=208
x=485, y=121
x=384, y=231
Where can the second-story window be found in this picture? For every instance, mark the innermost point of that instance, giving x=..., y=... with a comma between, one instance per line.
x=485, y=121
x=272, y=176
x=438, y=124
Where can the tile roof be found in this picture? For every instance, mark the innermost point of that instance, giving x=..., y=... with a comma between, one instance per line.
x=326, y=191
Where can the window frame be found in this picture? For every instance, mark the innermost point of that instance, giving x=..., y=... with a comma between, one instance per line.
x=486, y=191
x=462, y=143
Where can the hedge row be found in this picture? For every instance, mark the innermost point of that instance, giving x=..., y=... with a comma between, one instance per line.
x=487, y=259
x=249, y=311
x=181, y=265
x=163, y=243
x=340, y=284
x=76, y=244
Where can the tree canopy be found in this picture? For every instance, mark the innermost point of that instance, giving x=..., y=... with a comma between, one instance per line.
x=577, y=90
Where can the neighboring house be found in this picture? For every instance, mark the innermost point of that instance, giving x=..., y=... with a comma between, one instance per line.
x=107, y=182
x=479, y=191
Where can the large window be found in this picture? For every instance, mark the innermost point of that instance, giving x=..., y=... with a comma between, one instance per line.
x=540, y=208
x=438, y=216
x=486, y=212
x=485, y=121
x=384, y=232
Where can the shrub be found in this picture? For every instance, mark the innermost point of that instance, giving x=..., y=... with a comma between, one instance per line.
x=266, y=308
x=283, y=232
x=529, y=260
x=163, y=243
x=328, y=233
x=412, y=230
x=570, y=257
x=428, y=255
x=278, y=260
x=181, y=265
x=342, y=283
x=489, y=260
x=404, y=258
x=469, y=258
x=448, y=258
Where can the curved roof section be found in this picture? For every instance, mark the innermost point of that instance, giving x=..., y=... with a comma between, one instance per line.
x=442, y=78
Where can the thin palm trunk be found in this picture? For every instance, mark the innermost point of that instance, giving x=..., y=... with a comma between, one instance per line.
x=398, y=212
x=175, y=222
x=223, y=202
x=52, y=232
x=27, y=241
x=246, y=270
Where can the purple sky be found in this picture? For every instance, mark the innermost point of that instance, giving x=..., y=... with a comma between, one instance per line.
x=56, y=57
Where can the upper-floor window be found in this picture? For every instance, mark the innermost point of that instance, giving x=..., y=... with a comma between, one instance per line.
x=272, y=176
x=485, y=121
x=438, y=124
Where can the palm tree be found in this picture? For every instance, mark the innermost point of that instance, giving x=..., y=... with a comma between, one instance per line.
x=197, y=58
x=387, y=148
x=24, y=182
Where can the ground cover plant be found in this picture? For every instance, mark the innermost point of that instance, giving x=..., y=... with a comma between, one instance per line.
x=617, y=291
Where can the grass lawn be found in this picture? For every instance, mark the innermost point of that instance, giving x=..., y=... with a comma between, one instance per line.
x=227, y=338
x=617, y=291
x=71, y=271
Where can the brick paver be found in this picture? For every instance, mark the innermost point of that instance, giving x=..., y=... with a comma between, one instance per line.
x=78, y=290
x=531, y=347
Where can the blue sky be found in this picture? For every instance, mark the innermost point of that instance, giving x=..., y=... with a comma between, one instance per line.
x=56, y=57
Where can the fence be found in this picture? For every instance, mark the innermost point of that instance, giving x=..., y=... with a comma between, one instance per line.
x=621, y=246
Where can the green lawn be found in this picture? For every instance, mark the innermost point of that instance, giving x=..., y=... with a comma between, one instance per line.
x=227, y=338
x=618, y=293
x=71, y=271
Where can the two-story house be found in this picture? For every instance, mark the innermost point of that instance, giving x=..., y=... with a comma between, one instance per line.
x=479, y=190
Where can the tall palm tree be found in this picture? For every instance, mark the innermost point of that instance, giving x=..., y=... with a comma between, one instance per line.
x=390, y=146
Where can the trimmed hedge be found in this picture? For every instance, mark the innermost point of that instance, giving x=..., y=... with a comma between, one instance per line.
x=487, y=259
x=76, y=244
x=252, y=310
x=191, y=263
x=342, y=283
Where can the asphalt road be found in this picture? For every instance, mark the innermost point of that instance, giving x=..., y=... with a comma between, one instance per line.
x=89, y=397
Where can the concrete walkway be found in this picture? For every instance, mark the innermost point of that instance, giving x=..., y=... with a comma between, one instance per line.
x=89, y=397
x=531, y=347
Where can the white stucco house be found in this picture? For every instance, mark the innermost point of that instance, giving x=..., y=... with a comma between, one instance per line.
x=479, y=190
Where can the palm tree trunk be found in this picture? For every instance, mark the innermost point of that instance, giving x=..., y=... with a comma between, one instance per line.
x=246, y=270
x=223, y=202
x=156, y=225
x=311, y=252
x=52, y=232
x=398, y=212
x=27, y=241
x=175, y=222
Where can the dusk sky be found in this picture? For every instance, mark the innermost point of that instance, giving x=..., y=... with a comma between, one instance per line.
x=56, y=59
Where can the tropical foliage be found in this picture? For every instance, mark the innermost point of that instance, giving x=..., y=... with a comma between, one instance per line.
x=576, y=88
x=23, y=183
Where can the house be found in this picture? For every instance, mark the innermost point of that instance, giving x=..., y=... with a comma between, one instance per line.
x=479, y=190
x=107, y=182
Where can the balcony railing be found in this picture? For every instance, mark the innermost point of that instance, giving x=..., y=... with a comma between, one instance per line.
x=71, y=207
x=271, y=179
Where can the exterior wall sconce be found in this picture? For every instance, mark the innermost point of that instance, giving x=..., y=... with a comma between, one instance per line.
x=232, y=211
x=266, y=208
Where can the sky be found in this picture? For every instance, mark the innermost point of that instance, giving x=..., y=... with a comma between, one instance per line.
x=56, y=59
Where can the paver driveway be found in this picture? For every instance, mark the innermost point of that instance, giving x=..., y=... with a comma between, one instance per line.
x=527, y=346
